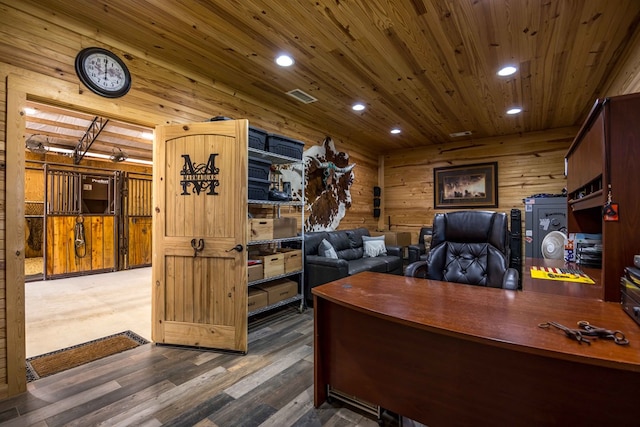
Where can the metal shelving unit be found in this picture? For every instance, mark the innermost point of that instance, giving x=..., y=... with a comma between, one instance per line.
x=281, y=160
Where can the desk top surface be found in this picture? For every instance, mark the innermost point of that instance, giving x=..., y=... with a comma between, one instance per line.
x=497, y=317
x=574, y=289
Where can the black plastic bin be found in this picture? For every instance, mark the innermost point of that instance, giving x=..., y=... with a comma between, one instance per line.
x=259, y=168
x=284, y=146
x=259, y=189
x=257, y=138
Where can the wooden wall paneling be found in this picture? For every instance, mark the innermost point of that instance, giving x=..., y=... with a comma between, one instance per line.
x=625, y=78
x=34, y=184
x=527, y=164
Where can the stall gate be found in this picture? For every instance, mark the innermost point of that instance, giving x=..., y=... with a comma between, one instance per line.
x=95, y=221
x=80, y=222
x=135, y=224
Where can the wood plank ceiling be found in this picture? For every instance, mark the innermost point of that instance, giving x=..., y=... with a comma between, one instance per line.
x=426, y=67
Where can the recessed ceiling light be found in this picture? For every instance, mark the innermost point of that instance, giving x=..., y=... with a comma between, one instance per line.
x=358, y=107
x=507, y=71
x=284, y=61
x=395, y=131
x=515, y=110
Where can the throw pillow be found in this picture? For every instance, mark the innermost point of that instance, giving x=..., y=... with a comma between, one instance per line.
x=374, y=246
x=325, y=249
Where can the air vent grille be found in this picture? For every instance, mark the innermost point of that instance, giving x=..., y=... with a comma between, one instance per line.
x=459, y=134
x=302, y=96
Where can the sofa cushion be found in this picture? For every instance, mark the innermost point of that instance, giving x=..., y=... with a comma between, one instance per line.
x=344, y=245
x=325, y=249
x=374, y=246
x=312, y=241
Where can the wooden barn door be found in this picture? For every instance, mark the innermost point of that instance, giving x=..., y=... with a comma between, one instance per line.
x=200, y=229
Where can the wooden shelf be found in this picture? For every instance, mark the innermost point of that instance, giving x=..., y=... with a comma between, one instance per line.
x=603, y=158
x=587, y=202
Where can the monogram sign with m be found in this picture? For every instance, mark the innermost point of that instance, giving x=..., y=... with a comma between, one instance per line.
x=203, y=177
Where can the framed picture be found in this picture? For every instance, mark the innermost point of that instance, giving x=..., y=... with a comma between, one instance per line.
x=466, y=186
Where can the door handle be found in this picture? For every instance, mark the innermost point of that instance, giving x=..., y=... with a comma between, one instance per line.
x=237, y=247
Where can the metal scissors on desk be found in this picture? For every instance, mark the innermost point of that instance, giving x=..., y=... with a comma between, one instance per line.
x=594, y=331
x=574, y=334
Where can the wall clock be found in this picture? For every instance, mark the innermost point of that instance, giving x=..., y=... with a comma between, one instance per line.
x=103, y=72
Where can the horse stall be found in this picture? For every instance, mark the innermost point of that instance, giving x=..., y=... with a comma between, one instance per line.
x=34, y=222
x=80, y=222
x=135, y=225
x=83, y=221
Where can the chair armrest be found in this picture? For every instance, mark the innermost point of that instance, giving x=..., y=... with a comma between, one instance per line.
x=417, y=269
x=394, y=251
x=319, y=269
x=414, y=252
x=510, y=279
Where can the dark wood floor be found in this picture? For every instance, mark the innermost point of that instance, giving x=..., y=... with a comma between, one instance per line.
x=154, y=385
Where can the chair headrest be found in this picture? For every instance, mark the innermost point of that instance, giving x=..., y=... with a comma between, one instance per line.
x=471, y=227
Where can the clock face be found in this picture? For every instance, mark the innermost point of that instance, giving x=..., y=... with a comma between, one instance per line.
x=103, y=72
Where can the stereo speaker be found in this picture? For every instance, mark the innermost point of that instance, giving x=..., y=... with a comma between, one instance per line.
x=376, y=202
x=516, y=243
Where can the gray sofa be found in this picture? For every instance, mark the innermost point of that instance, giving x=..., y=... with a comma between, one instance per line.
x=349, y=248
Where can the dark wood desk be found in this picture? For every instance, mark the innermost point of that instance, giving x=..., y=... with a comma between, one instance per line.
x=450, y=354
x=556, y=287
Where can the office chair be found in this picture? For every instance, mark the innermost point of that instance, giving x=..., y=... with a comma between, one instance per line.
x=419, y=252
x=470, y=247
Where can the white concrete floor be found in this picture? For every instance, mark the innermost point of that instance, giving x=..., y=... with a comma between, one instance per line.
x=65, y=312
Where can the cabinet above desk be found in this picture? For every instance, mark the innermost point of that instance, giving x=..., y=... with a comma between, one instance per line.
x=602, y=167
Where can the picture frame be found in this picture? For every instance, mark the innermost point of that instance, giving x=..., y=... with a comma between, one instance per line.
x=466, y=186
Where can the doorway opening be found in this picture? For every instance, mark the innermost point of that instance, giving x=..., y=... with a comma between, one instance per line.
x=87, y=183
x=87, y=222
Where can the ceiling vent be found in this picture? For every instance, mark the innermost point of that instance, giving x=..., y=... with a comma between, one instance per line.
x=302, y=96
x=459, y=134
